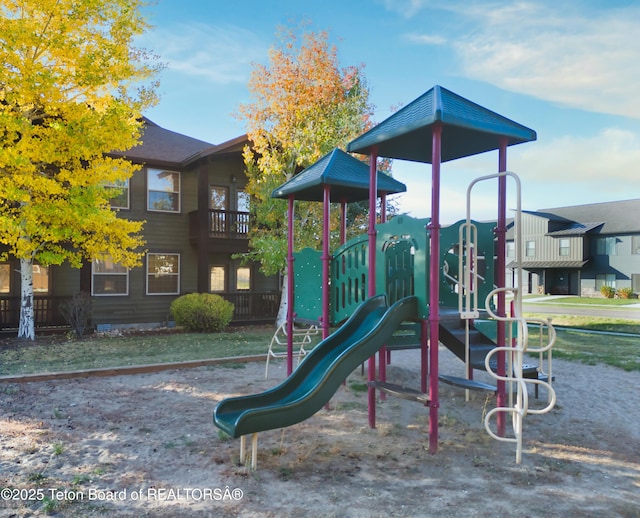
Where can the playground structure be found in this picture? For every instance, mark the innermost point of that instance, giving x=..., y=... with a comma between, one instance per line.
x=407, y=283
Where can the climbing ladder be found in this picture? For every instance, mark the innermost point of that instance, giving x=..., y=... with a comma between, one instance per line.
x=517, y=374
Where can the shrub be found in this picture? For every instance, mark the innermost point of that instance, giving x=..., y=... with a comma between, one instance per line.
x=77, y=312
x=202, y=312
x=608, y=291
x=625, y=293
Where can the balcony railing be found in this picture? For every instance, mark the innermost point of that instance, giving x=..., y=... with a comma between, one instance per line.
x=249, y=307
x=231, y=224
x=46, y=311
x=253, y=306
x=228, y=223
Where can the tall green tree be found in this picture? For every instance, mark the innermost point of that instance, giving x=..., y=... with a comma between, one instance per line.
x=72, y=89
x=303, y=105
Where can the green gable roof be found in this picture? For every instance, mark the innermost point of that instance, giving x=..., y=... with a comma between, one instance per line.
x=467, y=129
x=347, y=176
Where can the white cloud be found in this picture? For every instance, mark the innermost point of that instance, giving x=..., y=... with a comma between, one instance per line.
x=566, y=53
x=568, y=170
x=218, y=54
x=609, y=160
x=425, y=39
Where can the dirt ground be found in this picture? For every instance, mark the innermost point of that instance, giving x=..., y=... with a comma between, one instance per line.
x=145, y=445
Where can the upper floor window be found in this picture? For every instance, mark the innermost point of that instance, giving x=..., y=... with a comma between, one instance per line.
x=530, y=249
x=511, y=249
x=120, y=201
x=163, y=274
x=564, y=247
x=635, y=244
x=243, y=201
x=163, y=190
x=109, y=278
x=606, y=246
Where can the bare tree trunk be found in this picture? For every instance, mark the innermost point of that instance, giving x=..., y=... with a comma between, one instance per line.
x=282, y=310
x=26, y=328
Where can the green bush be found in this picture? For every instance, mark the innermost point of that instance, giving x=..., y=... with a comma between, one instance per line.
x=202, y=312
x=608, y=291
x=625, y=293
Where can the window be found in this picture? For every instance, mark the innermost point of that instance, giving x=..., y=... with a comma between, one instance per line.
x=244, y=200
x=163, y=274
x=217, y=278
x=635, y=282
x=40, y=278
x=606, y=246
x=635, y=245
x=120, y=201
x=511, y=249
x=243, y=278
x=531, y=249
x=218, y=197
x=163, y=190
x=109, y=278
x=605, y=279
x=5, y=278
x=564, y=247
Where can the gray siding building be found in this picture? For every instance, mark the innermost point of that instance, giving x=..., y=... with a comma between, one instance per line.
x=576, y=250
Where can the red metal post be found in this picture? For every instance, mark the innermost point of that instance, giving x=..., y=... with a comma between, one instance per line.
x=373, y=196
x=290, y=285
x=326, y=259
x=434, y=288
x=500, y=282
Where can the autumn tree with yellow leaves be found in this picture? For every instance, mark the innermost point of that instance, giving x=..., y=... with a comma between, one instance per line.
x=304, y=104
x=72, y=89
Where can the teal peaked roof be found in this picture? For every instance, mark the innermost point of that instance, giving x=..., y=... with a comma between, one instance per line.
x=347, y=176
x=467, y=129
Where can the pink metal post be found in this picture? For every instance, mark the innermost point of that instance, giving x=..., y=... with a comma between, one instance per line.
x=500, y=282
x=373, y=195
x=326, y=259
x=290, y=285
x=382, y=354
x=434, y=288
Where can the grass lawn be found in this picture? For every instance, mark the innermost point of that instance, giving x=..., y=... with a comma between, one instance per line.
x=594, y=301
x=57, y=354
x=573, y=343
x=589, y=348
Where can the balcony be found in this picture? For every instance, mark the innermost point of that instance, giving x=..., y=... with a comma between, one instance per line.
x=225, y=224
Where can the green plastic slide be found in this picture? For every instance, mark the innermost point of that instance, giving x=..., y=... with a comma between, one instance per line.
x=320, y=374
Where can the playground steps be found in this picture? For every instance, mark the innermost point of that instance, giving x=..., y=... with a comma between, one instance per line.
x=400, y=391
x=452, y=336
x=466, y=384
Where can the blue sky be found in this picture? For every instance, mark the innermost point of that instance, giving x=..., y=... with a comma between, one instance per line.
x=569, y=69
